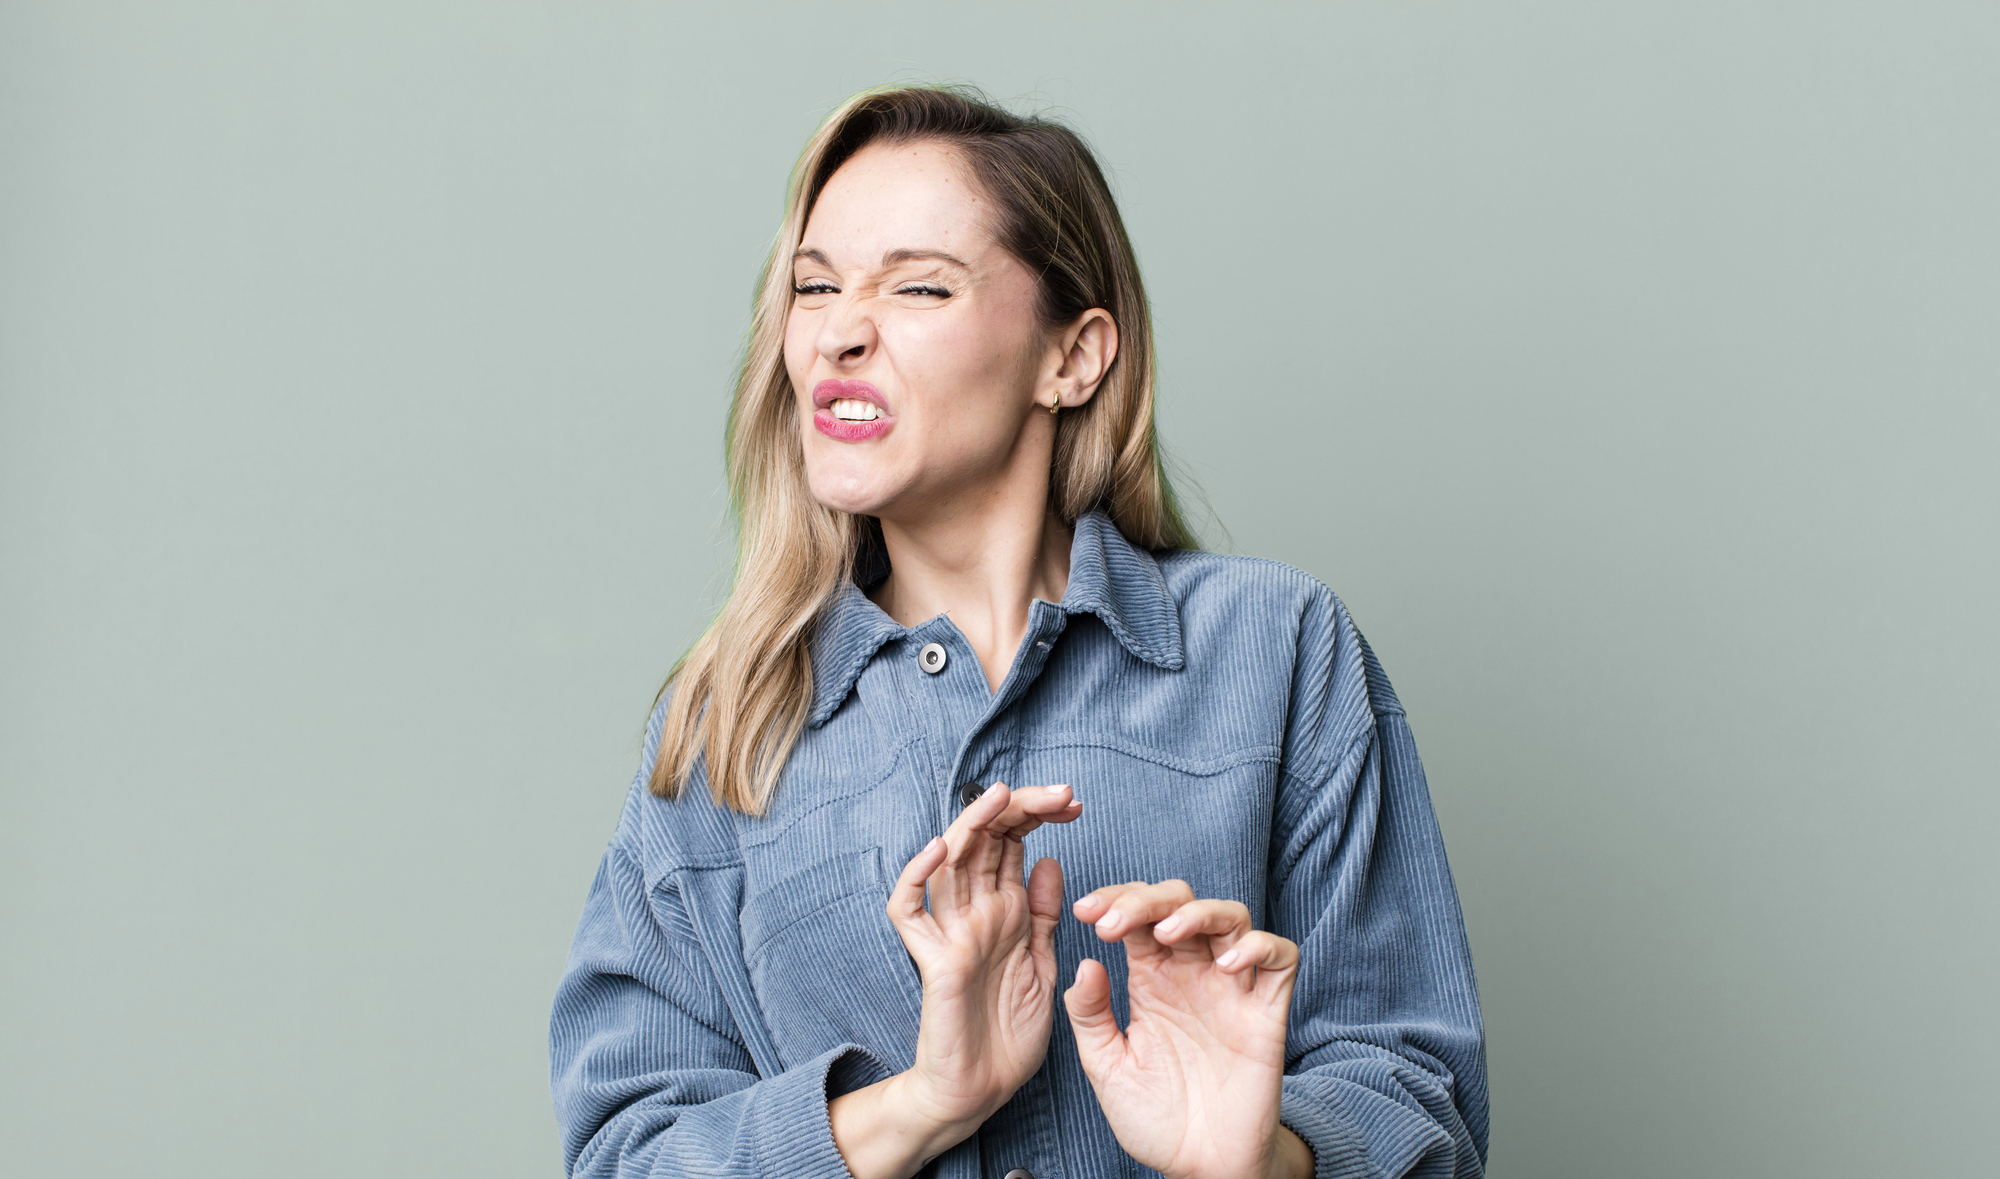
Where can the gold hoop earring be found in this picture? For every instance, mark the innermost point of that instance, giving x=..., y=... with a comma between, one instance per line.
x=1057, y=405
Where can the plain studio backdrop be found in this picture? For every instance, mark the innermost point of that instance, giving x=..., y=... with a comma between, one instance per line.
x=1630, y=370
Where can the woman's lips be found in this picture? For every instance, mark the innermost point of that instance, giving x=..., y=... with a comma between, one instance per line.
x=838, y=404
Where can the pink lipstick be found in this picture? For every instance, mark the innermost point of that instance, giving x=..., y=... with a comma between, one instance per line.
x=842, y=409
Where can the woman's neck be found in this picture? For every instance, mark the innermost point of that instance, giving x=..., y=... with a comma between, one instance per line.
x=984, y=566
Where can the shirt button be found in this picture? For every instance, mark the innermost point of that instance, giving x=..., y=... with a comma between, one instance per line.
x=1020, y=1173
x=932, y=658
x=969, y=793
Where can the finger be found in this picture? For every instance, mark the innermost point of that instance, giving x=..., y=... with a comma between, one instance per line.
x=1045, y=891
x=972, y=822
x=1223, y=923
x=1027, y=808
x=1012, y=856
x=1099, y=1043
x=1261, y=949
x=1091, y=906
x=1031, y=806
x=906, y=899
x=986, y=854
x=1130, y=918
x=1046, y=800
x=970, y=859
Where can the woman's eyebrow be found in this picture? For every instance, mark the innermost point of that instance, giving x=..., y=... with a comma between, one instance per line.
x=889, y=259
x=894, y=256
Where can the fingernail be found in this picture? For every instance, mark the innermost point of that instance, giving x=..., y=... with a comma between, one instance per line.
x=1169, y=927
x=1230, y=959
x=1108, y=922
x=995, y=786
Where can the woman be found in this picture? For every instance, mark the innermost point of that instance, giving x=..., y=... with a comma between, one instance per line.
x=962, y=565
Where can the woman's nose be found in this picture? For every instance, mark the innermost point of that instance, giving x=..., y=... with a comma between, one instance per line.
x=846, y=335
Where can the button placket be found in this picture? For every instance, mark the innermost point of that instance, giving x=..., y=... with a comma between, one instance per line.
x=981, y=747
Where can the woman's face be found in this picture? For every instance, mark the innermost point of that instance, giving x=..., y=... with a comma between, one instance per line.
x=913, y=344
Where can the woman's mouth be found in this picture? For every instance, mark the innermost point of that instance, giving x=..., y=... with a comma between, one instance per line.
x=850, y=411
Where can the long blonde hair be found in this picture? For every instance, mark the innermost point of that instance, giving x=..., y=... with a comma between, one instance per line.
x=741, y=694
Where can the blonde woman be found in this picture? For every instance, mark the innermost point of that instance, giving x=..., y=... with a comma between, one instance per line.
x=814, y=946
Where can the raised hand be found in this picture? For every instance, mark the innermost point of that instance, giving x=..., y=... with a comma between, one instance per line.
x=984, y=946
x=1191, y=1086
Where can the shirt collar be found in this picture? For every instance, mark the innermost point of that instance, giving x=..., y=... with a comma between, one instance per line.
x=1108, y=577
x=1123, y=586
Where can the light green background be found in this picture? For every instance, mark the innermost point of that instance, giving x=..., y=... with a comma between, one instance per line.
x=1629, y=369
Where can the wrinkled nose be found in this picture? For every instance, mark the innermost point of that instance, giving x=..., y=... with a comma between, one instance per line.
x=847, y=336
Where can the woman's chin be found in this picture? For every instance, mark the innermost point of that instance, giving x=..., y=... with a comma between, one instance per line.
x=861, y=496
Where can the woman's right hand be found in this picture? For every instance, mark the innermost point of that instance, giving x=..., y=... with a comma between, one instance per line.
x=984, y=947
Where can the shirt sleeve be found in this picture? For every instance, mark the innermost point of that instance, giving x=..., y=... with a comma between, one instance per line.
x=650, y=1077
x=1386, y=1071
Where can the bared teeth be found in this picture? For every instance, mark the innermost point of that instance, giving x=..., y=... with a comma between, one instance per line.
x=853, y=409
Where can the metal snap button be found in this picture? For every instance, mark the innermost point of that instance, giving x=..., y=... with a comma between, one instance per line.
x=1020, y=1173
x=932, y=658
x=969, y=793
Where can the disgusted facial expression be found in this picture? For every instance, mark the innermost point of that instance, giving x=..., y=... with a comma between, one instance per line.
x=914, y=345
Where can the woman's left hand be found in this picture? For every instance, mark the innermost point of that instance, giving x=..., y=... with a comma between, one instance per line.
x=1191, y=1086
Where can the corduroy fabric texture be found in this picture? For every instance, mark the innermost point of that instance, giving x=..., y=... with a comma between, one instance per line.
x=1222, y=721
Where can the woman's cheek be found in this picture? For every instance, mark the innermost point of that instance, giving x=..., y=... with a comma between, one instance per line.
x=959, y=355
x=798, y=349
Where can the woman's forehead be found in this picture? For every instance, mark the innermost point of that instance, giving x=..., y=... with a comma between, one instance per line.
x=900, y=198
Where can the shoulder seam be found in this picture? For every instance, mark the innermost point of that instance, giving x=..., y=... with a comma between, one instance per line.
x=1325, y=767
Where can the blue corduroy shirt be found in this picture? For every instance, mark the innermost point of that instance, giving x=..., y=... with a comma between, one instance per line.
x=1222, y=721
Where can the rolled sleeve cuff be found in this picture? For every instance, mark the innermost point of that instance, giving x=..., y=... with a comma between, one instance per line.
x=798, y=1133
x=1345, y=1149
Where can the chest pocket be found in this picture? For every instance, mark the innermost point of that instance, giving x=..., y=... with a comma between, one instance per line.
x=826, y=965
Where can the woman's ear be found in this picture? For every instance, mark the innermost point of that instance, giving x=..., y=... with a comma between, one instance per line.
x=1088, y=346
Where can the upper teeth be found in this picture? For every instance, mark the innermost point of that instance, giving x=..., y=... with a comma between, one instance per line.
x=853, y=409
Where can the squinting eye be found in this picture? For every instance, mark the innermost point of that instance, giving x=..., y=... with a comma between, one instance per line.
x=813, y=286
x=924, y=288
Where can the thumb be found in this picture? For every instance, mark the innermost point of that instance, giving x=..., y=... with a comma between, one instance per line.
x=1099, y=1043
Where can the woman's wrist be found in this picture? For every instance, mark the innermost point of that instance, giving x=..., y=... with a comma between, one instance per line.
x=944, y=1125
x=890, y=1129
x=1292, y=1158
